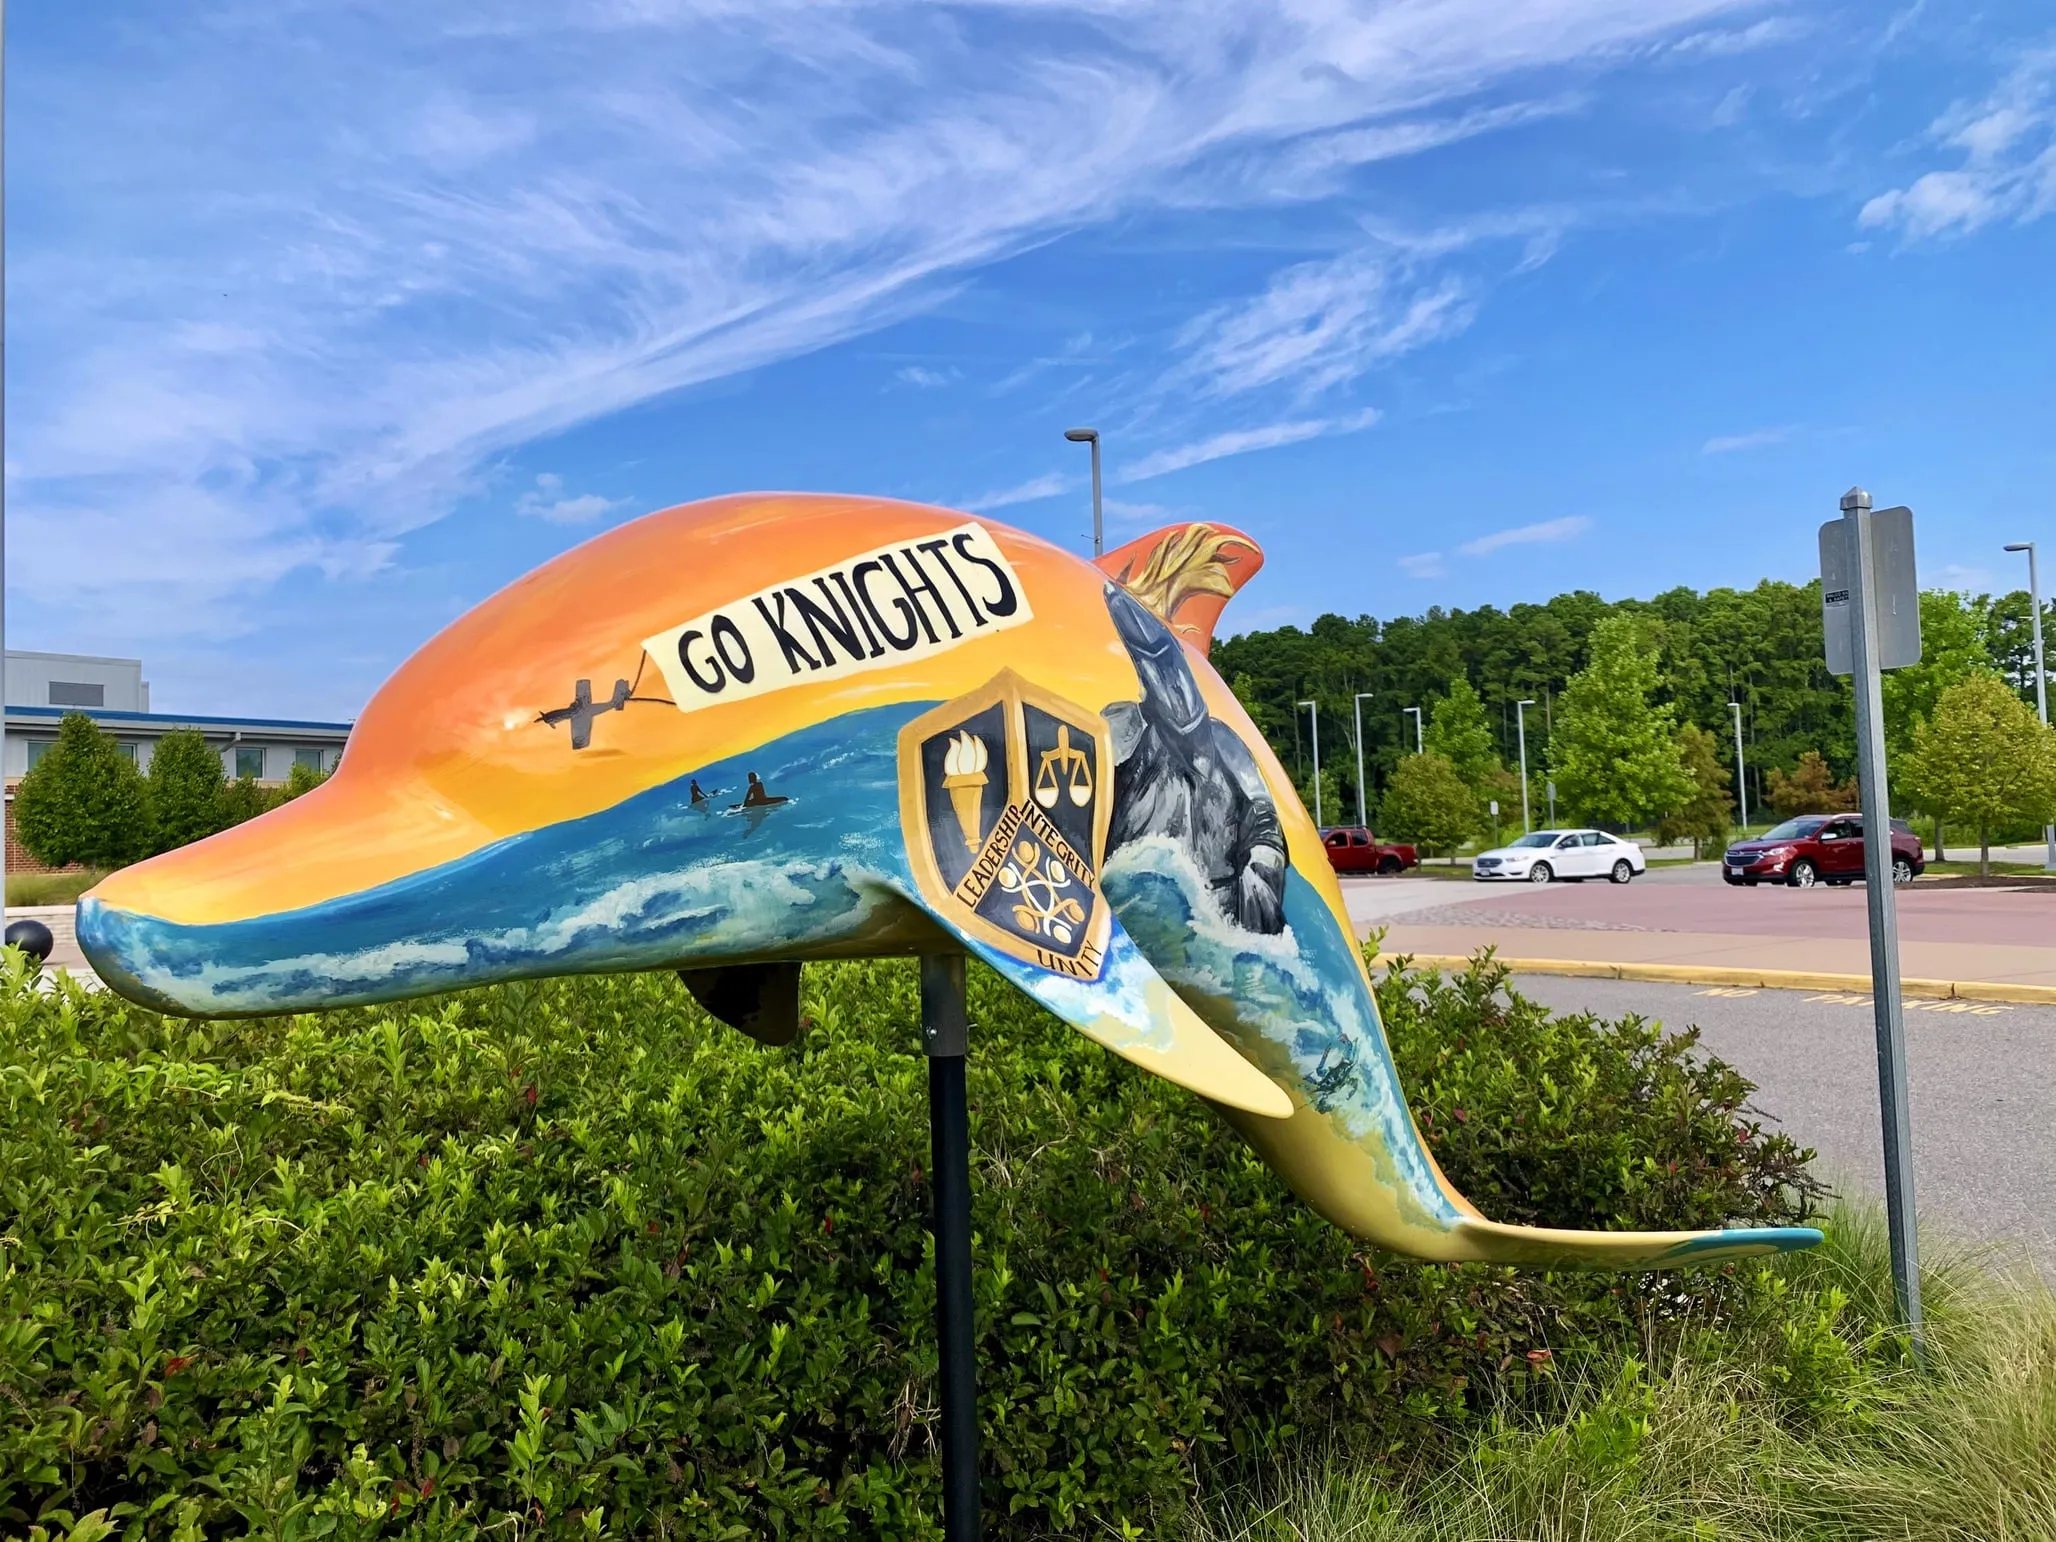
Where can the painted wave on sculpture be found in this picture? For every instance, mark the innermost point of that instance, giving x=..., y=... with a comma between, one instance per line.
x=1300, y=990
x=652, y=880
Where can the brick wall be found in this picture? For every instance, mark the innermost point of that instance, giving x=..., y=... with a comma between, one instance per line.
x=18, y=860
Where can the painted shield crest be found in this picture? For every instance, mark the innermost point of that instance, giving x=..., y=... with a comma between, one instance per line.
x=1005, y=800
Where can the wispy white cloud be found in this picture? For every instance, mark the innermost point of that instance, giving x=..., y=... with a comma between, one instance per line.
x=280, y=298
x=1241, y=441
x=1321, y=324
x=1314, y=164
x=2008, y=168
x=1547, y=532
x=926, y=378
x=547, y=500
x=1048, y=485
x=1719, y=42
x=1726, y=444
x=1426, y=564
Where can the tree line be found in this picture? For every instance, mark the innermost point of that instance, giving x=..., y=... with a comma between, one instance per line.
x=86, y=804
x=1630, y=710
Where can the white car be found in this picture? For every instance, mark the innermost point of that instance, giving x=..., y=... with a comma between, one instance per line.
x=1549, y=854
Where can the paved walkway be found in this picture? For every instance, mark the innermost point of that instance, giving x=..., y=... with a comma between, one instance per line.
x=1678, y=917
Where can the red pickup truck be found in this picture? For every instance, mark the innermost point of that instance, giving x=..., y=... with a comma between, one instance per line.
x=1353, y=849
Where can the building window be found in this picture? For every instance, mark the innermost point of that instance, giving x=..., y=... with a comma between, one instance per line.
x=311, y=759
x=38, y=748
x=249, y=761
x=330, y=759
x=72, y=693
x=127, y=748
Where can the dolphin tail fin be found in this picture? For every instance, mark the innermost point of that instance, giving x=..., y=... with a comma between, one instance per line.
x=1480, y=1241
x=1186, y=574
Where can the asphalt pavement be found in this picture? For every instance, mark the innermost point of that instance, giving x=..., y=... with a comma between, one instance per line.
x=1982, y=1093
x=1686, y=917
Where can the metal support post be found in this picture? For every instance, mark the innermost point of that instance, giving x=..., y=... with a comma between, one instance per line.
x=1318, y=820
x=1882, y=900
x=1741, y=785
x=2034, y=596
x=1520, y=709
x=945, y=1036
x=1361, y=818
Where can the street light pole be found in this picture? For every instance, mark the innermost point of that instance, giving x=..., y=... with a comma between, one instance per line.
x=1317, y=758
x=1741, y=786
x=1091, y=436
x=1419, y=743
x=1361, y=817
x=3, y=479
x=1520, y=723
x=2034, y=591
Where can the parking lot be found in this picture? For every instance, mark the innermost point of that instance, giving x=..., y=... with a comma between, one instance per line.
x=1686, y=915
x=1982, y=1091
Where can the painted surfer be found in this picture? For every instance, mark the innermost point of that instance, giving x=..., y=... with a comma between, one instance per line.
x=759, y=796
x=1181, y=773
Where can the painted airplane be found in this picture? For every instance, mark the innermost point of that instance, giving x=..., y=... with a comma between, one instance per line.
x=980, y=742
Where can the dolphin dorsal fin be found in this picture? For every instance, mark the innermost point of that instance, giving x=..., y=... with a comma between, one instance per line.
x=1186, y=574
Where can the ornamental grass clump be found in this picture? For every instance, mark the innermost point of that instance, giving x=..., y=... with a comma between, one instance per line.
x=567, y=1258
x=1799, y=1418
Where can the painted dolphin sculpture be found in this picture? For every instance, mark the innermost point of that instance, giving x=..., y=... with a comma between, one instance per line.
x=829, y=727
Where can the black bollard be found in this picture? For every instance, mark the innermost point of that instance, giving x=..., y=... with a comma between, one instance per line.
x=33, y=938
x=945, y=1034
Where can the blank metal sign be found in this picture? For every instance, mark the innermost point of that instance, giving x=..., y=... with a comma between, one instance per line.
x=1898, y=595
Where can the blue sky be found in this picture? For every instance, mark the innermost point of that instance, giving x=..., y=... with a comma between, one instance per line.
x=325, y=321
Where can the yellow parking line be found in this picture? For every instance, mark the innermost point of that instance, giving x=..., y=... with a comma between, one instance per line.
x=1828, y=987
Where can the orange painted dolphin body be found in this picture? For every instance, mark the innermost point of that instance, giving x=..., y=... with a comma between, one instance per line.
x=741, y=734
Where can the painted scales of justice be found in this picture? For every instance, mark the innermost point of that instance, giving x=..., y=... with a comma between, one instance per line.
x=671, y=748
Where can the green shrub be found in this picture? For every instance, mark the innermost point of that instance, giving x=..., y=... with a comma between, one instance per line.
x=186, y=784
x=241, y=800
x=1575, y=1121
x=571, y=1258
x=84, y=802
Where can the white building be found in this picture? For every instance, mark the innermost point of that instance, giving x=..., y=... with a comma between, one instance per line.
x=42, y=687
x=76, y=680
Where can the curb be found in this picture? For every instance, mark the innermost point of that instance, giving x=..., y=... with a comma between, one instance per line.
x=1764, y=979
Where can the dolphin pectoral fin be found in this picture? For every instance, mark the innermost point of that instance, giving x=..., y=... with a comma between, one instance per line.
x=761, y=1000
x=1131, y=1009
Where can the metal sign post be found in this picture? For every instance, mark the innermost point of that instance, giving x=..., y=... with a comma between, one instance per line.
x=1871, y=615
x=945, y=1034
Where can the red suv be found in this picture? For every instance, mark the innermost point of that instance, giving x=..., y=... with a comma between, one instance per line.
x=1353, y=849
x=1819, y=848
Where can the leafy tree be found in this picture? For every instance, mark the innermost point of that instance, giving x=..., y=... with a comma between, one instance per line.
x=1459, y=732
x=1953, y=646
x=301, y=779
x=1427, y=803
x=185, y=789
x=1810, y=789
x=84, y=802
x=1710, y=814
x=1984, y=760
x=1614, y=752
x=242, y=800
x=1330, y=807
